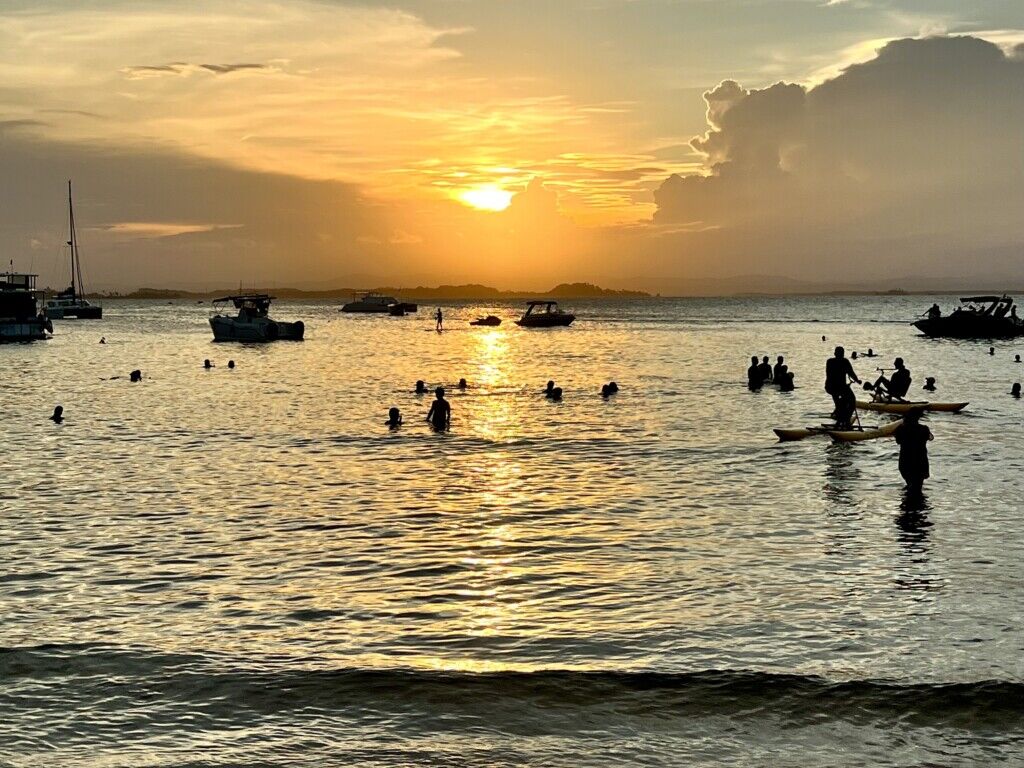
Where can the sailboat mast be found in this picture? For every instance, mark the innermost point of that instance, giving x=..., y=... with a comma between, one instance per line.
x=71, y=238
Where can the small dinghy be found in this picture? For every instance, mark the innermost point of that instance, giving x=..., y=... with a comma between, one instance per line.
x=489, y=320
x=896, y=406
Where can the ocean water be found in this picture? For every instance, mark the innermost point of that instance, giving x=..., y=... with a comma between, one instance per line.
x=246, y=567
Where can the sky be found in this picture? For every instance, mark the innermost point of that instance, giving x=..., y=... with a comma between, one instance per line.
x=646, y=144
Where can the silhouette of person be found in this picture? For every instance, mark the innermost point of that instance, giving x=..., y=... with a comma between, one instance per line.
x=103, y=339
x=135, y=375
x=462, y=384
x=549, y=389
x=929, y=384
x=231, y=364
x=556, y=394
x=765, y=370
x=604, y=391
x=779, y=365
x=394, y=418
x=613, y=387
x=838, y=373
x=871, y=352
x=823, y=338
x=853, y=355
x=754, y=380
x=898, y=384
x=785, y=379
x=913, y=437
x=440, y=413
x=58, y=415
x=207, y=364
x=421, y=388
x=934, y=312
x=991, y=350
x=1016, y=358
x=1015, y=389
x=440, y=319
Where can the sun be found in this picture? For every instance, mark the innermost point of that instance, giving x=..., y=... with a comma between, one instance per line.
x=486, y=197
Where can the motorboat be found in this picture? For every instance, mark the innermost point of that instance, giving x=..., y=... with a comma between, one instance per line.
x=20, y=318
x=490, y=320
x=544, y=314
x=371, y=302
x=71, y=302
x=979, y=317
x=253, y=322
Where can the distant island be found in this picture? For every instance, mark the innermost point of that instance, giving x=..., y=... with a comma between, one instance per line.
x=448, y=292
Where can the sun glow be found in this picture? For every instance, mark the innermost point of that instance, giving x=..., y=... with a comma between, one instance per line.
x=487, y=197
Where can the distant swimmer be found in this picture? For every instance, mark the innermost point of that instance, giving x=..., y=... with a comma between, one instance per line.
x=1016, y=358
x=1015, y=389
x=135, y=375
x=440, y=413
x=913, y=437
x=897, y=385
x=785, y=379
x=421, y=388
x=853, y=355
x=871, y=353
x=462, y=384
x=929, y=384
x=754, y=380
x=823, y=338
x=765, y=370
x=613, y=387
x=838, y=374
x=394, y=418
x=556, y=394
x=604, y=391
x=779, y=365
x=103, y=339
x=549, y=389
x=991, y=350
x=207, y=364
x=440, y=319
x=58, y=415
x=231, y=364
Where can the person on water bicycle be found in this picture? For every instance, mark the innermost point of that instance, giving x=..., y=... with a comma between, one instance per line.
x=838, y=374
x=894, y=387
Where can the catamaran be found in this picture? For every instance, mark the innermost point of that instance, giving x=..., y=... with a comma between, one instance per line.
x=71, y=302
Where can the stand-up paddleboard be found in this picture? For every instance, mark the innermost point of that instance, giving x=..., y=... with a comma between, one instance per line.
x=898, y=407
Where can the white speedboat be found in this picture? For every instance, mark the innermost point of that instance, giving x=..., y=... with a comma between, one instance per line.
x=371, y=302
x=253, y=322
x=71, y=302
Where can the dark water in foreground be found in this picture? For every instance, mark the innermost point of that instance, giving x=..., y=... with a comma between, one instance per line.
x=244, y=567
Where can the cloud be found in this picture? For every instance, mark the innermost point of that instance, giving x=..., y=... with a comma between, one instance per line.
x=919, y=146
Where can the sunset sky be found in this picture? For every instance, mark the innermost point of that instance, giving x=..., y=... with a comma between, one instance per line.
x=634, y=143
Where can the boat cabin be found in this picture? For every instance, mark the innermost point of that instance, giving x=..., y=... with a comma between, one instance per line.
x=249, y=304
x=550, y=307
x=18, y=295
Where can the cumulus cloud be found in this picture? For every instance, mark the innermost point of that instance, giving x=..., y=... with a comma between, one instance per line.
x=918, y=146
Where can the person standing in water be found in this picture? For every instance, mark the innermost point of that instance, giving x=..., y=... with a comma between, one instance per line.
x=765, y=370
x=440, y=413
x=913, y=437
x=754, y=380
x=58, y=414
x=779, y=365
x=440, y=319
x=838, y=374
x=394, y=418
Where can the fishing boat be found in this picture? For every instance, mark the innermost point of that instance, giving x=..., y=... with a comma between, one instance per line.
x=71, y=302
x=544, y=314
x=490, y=320
x=20, y=318
x=253, y=322
x=903, y=406
x=979, y=317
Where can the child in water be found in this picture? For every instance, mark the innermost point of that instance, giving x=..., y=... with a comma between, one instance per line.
x=394, y=418
x=913, y=437
x=440, y=413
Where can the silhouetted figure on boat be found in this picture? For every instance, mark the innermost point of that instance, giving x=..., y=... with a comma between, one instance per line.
x=779, y=365
x=135, y=375
x=440, y=319
x=784, y=379
x=838, y=374
x=754, y=380
x=913, y=437
x=58, y=415
x=421, y=388
x=1015, y=389
x=604, y=391
x=934, y=312
x=440, y=413
x=462, y=384
x=207, y=364
x=549, y=389
x=853, y=355
x=556, y=394
x=765, y=370
x=929, y=384
x=897, y=385
x=394, y=418
x=231, y=364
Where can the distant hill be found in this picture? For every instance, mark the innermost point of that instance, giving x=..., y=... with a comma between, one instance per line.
x=449, y=292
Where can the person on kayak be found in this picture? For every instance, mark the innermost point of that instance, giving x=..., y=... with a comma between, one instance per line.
x=913, y=437
x=779, y=365
x=765, y=370
x=754, y=380
x=838, y=374
x=897, y=385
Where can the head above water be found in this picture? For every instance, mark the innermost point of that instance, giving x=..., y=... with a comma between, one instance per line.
x=613, y=387
x=462, y=384
x=420, y=386
x=394, y=414
x=764, y=359
x=231, y=363
x=556, y=393
x=913, y=415
x=550, y=386
x=605, y=391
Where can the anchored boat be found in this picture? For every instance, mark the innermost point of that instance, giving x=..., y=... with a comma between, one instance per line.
x=375, y=303
x=20, y=318
x=544, y=314
x=903, y=406
x=490, y=320
x=253, y=322
x=979, y=317
x=71, y=302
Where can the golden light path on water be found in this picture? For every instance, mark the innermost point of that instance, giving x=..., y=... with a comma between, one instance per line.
x=225, y=536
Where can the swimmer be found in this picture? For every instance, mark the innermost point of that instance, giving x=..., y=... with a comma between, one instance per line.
x=549, y=389
x=929, y=384
x=1015, y=390
x=871, y=352
x=604, y=391
x=462, y=384
x=421, y=388
x=556, y=394
x=103, y=339
x=231, y=364
x=440, y=413
x=613, y=387
x=853, y=355
x=135, y=375
x=394, y=418
x=58, y=415
x=207, y=364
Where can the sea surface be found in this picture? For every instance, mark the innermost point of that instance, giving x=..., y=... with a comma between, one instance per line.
x=247, y=567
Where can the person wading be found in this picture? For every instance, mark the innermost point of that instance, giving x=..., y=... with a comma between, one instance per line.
x=913, y=437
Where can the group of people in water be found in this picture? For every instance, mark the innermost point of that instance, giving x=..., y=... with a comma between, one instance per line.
x=762, y=372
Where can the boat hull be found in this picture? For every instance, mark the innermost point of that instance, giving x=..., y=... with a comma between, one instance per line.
x=24, y=330
x=539, y=321
x=260, y=330
x=968, y=326
x=870, y=405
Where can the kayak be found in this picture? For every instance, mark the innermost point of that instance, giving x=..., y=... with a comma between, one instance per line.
x=897, y=407
x=856, y=435
x=865, y=433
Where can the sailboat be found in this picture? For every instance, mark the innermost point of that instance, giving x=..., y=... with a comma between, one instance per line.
x=71, y=302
